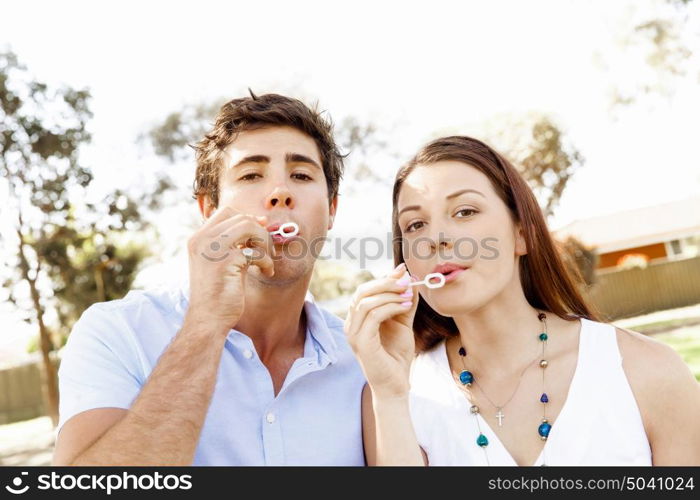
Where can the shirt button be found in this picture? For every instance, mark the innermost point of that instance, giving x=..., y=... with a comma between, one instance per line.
x=247, y=354
x=270, y=418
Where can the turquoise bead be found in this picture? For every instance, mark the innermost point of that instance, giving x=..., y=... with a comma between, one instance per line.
x=544, y=429
x=466, y=377
x=543, y=337
x=482, y=441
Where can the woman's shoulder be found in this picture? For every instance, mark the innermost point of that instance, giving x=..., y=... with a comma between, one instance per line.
x=650, y=360
x=658, y=376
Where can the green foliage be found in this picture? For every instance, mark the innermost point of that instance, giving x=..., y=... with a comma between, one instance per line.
x=579, y=259
x=68, y=250
x=331, y=280
x=539, y=149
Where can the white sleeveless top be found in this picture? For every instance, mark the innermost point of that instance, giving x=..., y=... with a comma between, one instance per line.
x=599, y=424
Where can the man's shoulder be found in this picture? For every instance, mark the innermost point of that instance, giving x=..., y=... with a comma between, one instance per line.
x=154, y=313
x=160, y=300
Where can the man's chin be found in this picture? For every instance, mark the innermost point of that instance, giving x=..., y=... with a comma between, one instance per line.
x=286, y=273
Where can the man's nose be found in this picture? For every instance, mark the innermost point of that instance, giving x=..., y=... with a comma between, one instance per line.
x=280, y=197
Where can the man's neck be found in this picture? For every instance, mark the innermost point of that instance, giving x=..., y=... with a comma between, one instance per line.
x=273, y=317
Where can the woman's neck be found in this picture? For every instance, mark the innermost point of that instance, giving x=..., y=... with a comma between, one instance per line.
x=502, y=333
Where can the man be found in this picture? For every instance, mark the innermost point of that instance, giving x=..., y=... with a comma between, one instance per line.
x=241, y=369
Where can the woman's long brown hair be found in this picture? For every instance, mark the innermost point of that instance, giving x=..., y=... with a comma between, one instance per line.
x=547, y=283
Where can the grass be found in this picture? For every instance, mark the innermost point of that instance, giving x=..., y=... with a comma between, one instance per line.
x=686, y=341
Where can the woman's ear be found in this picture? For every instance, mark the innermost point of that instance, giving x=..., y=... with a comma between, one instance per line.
x=520, y=243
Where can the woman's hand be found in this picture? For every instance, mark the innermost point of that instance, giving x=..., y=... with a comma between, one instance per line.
x=379, y=328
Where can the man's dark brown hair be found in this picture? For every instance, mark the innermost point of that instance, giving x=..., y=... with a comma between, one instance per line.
x=255, y=112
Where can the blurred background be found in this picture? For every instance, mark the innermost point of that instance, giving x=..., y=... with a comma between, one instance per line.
x=597, y=103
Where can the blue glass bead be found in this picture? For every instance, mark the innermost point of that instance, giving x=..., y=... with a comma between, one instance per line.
x=544, y=398
x=543, y=337
x=466, y=377
x=544, y=429
x=482, y=441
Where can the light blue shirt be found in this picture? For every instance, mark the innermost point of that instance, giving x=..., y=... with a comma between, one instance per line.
x=315, y=419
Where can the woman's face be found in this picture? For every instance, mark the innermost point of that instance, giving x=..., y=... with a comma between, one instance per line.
x=450, y=215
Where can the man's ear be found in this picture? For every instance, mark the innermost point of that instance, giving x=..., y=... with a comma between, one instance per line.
x=520, y=244
x=206, y=207
x=332, y=210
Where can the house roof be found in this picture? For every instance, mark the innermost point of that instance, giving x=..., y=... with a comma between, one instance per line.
x=638, y=227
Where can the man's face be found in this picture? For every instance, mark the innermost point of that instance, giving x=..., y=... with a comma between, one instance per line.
x=276, y=172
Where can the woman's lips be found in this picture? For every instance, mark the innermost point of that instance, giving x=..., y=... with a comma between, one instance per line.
x=453, y=275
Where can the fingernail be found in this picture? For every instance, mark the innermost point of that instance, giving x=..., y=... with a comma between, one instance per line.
x=407, y=303
x=407, y=293
x=404, y=281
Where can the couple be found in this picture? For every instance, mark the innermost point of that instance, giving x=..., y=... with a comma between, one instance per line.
x=503, y=365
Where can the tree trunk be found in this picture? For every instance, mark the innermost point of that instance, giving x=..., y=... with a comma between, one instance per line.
x=50, y=386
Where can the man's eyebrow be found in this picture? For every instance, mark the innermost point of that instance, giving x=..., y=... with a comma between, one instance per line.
x=448, y=197
x=299, y=158
x=252, y=159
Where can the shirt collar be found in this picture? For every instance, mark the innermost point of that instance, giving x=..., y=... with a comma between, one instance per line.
x=315, y=325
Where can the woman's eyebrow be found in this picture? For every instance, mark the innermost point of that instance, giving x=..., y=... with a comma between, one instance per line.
x=463, y=191
x=448, y=197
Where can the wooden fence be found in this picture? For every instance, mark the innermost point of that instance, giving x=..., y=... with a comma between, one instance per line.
x=659, y=286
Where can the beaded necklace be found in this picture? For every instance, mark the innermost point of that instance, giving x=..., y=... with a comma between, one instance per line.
x=467, y=378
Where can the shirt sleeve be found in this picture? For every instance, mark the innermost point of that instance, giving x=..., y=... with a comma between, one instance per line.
x=99, y=364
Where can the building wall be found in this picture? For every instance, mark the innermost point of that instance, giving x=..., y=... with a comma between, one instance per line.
x=659, y=286
x=655, y=251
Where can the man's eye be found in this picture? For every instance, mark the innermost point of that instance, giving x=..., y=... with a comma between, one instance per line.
x=302, y=177
x=249, y=177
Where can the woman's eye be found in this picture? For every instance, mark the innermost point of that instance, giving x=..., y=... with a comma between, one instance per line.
x=466, y=211
x=249, y=177
x=302, y=177
x=414, y=226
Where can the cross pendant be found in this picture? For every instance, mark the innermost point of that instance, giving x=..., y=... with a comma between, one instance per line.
x=500, y=417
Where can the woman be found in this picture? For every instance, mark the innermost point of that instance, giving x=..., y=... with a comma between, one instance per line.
x=512, y=366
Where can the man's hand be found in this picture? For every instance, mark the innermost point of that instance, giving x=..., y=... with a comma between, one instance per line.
x=218, y=266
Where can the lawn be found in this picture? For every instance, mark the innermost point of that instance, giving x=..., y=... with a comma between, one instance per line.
x=686, y=341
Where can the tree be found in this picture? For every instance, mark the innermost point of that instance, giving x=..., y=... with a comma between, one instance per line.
x=651, y=52
x=67, y=251
x=538, y=148
x=580, y=260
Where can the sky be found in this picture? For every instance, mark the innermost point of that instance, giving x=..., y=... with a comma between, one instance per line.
x=413, y=68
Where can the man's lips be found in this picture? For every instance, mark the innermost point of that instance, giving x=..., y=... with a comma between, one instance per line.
x=280, y=237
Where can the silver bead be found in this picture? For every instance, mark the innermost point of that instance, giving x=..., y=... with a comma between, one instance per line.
x=543, y=363
x=474, y=409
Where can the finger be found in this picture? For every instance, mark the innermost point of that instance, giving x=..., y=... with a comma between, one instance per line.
x=397, y=284
x=410, y=313
x=222, y=213
x=398, y=271
x=365, y=307
x=263, y=261
x=367, y=337
x=236, y=217
x=247, y=232
x=259, y=259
